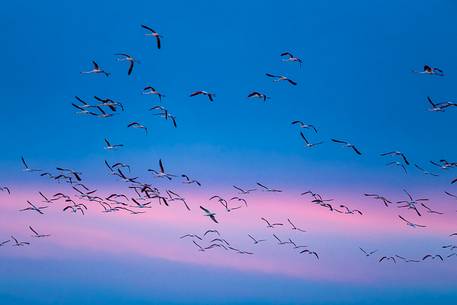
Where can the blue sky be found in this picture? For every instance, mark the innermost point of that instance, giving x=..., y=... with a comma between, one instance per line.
x=159, y=282
x=355, y=84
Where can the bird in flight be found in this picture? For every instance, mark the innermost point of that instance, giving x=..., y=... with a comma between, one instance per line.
x=36, y=233
x=82, y=110
x=174, y=196
x=278, y=78
x=267, y=189
x=33, y=207
x=294, y=227
x=409, y=223
x=280, y=242
x=295, y=245
x=209, y=214
x=96, y=70
x=164, y=114
x=368, y=253
x=129, y=210
x=271, y=225
x=444, y=164
x=19, y=243
x=74, y=208
x=347, y=144
x=303, y=125
x=151, y=91
x=396, y=153
x=349, y=211
x=216, y=245
x=435, y=107
x=287, y=56
x=259, y=95
x=242, y=191
x=220, y=200
x=429, y=210
x=310, y=253
x=152, y=33
x=130, y=59
x=187, y=180
x=411, y=203
x=120, y=174
x=220, y=240
x=27, y=168
x=224, y=203
x=450, y=194
x=244, y=201
x=138, y=126
x=141, y=205
x=433, y=257
x=439, y=107
x=191, y=236
x=118, y=165
x=307, y=143
x=425, y=172
x=161, y=173
x=313, y=194
x=201, y=92
x=430, y=71
x=107, y=102
x=379, y=197
x=103, y=114
x=110, y=146
x=84, y=104
x=256, y=241
x=76, y=174
x=212, y=231
x=388, y=258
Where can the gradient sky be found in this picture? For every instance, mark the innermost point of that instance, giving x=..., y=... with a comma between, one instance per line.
x=355, y=84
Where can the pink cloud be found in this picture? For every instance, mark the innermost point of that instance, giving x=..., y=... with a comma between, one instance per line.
x=156, y=234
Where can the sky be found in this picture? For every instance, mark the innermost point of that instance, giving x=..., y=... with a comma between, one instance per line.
x=355, y=84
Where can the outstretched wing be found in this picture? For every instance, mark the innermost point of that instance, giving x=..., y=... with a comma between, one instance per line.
x=23, y=162
x=303, y=137
x=261, y=185
x=292, y=82
x=339, y=141
x=356, y=150
x=213, y=218
x=147, y=28
x=204, y=209
x=36, y=233
x=161, y=166
x=196, y=93
x=130, y=67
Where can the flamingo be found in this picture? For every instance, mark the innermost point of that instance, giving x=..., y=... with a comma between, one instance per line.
x=96, y=70
x=152, y=33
